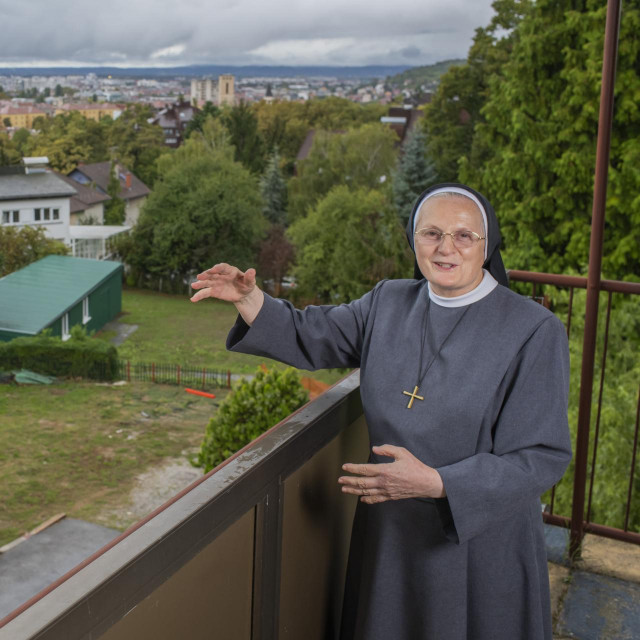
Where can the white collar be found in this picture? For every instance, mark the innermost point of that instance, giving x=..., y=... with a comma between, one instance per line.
x=488, y=284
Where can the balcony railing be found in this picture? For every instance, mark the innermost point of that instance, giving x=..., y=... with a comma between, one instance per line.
x=256, y=549
x=629, y=457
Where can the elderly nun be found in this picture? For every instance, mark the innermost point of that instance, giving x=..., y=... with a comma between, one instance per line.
x=464, y=385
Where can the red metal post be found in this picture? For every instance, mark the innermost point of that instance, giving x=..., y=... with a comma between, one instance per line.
x=633, y=466
x=596, y=439
x=612, y=29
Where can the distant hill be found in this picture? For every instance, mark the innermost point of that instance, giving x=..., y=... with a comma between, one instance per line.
x=428, y=75
x=252, y=71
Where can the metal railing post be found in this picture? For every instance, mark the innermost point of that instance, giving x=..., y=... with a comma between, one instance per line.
x=594, y=276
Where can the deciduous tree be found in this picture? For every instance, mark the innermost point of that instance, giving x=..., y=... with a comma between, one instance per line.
x=351, y=240
x=9, y=153
x=362, y=157
x=245, y=137
x=205, y=208
x=197, y=122
x=456, y=107
x=136, y=143
x=67, y=140
x=20, y=246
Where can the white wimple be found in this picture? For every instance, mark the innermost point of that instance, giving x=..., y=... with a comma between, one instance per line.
x=488, y=284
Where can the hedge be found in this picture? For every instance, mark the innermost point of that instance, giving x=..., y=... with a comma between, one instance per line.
x=80, y=356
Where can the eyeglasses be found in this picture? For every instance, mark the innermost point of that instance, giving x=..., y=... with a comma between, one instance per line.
x=462, y=238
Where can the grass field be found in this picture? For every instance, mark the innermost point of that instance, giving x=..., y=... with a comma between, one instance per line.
x=78, y=447
x=174, y=330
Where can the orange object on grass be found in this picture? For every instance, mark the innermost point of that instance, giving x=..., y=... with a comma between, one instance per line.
x=195, y=392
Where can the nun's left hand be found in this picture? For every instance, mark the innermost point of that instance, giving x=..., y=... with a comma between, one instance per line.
x=405, y=477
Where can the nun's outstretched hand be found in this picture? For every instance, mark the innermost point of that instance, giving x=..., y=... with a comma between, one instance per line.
x=405, y=477
x=228, y=283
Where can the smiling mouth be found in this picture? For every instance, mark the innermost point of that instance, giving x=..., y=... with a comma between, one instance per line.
x=447, y=266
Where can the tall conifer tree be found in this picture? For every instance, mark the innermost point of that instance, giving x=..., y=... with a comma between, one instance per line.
x=415, y=172
x=274, y=191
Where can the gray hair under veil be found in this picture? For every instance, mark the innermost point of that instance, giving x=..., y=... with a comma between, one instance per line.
x=493, y=260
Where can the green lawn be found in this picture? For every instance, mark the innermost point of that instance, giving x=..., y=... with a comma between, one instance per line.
x=174, y=330
x=77, y=447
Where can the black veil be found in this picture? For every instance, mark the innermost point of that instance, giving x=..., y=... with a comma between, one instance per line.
x=493, y=262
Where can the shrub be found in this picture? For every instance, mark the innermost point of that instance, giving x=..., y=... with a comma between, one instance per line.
x=77, y=357
x=252, y=408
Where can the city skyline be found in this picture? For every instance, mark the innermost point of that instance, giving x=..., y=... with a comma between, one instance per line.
x=159, y=33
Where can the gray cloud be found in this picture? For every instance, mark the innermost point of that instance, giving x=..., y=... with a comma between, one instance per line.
x=238, y=31
x=411, y=52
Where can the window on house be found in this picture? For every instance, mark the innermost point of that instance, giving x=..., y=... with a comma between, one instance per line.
x=46, y=213
x=85, y=311
x=65, y=327
x=9, y=217
x=55, y=214
x=37, y=215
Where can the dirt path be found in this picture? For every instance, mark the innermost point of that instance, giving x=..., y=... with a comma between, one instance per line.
x=152, y=488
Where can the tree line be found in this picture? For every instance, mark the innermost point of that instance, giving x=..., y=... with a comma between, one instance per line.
x=519, y=122
x=233, y=192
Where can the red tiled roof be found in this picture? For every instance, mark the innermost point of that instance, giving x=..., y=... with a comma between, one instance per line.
x=16, y=111
x=98, y=106
x=100, y=173
x=85, y=198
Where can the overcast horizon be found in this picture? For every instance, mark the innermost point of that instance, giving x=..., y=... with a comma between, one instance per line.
x=163, y=33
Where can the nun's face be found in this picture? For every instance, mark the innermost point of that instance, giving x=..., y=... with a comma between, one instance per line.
x=450, y=270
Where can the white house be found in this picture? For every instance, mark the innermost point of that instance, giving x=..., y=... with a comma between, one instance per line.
x=32, y=195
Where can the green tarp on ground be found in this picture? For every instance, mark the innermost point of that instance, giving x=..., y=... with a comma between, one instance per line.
x=29, y=377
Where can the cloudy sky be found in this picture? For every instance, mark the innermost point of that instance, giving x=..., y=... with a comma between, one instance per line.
x=235, y=32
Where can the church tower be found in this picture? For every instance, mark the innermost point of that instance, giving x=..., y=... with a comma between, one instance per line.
x=226, y=90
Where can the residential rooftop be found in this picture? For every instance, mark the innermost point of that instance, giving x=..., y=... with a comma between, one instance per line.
x=22, y=186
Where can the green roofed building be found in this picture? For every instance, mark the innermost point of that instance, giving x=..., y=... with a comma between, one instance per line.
x=59, y=292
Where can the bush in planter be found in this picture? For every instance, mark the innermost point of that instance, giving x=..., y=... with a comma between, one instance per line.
x=253, y=407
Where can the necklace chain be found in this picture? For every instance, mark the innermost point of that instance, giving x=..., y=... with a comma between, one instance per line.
x=422, y=374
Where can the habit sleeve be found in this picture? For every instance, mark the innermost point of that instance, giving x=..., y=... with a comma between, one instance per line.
x=531, y=443
x=314, y=338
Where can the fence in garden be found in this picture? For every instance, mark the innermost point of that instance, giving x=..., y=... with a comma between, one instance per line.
x=198, y=377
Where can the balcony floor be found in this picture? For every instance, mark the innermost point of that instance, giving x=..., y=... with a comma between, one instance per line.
x=600, y=598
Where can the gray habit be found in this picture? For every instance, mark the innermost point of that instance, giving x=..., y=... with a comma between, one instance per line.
x=493, y=423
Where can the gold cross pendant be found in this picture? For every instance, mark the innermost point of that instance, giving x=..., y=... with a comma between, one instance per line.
x=413, y=396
